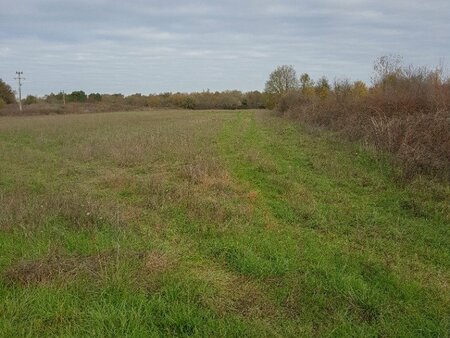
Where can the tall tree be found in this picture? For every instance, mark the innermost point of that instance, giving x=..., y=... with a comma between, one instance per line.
x=323, y=88
x=306, y=84
x=6, y=93
x=77, y=96
x=282, y=80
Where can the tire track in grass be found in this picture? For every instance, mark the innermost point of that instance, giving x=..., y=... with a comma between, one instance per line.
x=348, y=288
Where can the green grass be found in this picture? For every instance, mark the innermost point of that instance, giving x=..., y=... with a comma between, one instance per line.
x=212, y=223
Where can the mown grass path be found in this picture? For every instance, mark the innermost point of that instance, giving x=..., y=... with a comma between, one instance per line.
x=179, y=223
x=348, y=239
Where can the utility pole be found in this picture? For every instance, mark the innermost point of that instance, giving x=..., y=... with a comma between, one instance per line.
x=20, y=78
x=64, y=97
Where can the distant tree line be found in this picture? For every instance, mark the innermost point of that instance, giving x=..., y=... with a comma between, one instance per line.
x=230, y=99
x=283, y=82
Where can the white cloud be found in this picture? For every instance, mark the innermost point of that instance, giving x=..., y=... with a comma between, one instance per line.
x=137, y=33
x=4, y=51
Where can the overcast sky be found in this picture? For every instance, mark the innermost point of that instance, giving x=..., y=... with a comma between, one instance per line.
x=181, y=45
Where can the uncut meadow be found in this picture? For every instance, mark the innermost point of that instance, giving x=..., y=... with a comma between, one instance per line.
x=213, y=223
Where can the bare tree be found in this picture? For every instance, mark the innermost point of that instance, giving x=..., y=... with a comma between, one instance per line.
x=282, y=80
x=386, y=66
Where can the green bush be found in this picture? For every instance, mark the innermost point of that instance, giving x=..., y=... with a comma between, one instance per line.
x=6, y=93
x=189, y=103
x=77, y=96
x=94, y=97
x=30, y=99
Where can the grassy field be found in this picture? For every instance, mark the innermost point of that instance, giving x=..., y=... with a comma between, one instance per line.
x=212, y=223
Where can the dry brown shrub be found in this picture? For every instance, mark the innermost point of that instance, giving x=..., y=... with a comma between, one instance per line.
x=421, y=142
x=406, y=113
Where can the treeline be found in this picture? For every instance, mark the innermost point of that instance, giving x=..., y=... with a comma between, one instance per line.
x=79, y=101
x=405, y=111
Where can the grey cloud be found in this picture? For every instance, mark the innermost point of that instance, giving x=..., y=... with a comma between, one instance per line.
x=174, y=45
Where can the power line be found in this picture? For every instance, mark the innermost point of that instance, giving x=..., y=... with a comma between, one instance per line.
x=20, y=78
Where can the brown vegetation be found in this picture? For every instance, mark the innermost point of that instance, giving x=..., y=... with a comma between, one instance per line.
x=28, y=211
x=55, y=267
x=406, y=112
x=79, y=102
x=59, y=267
